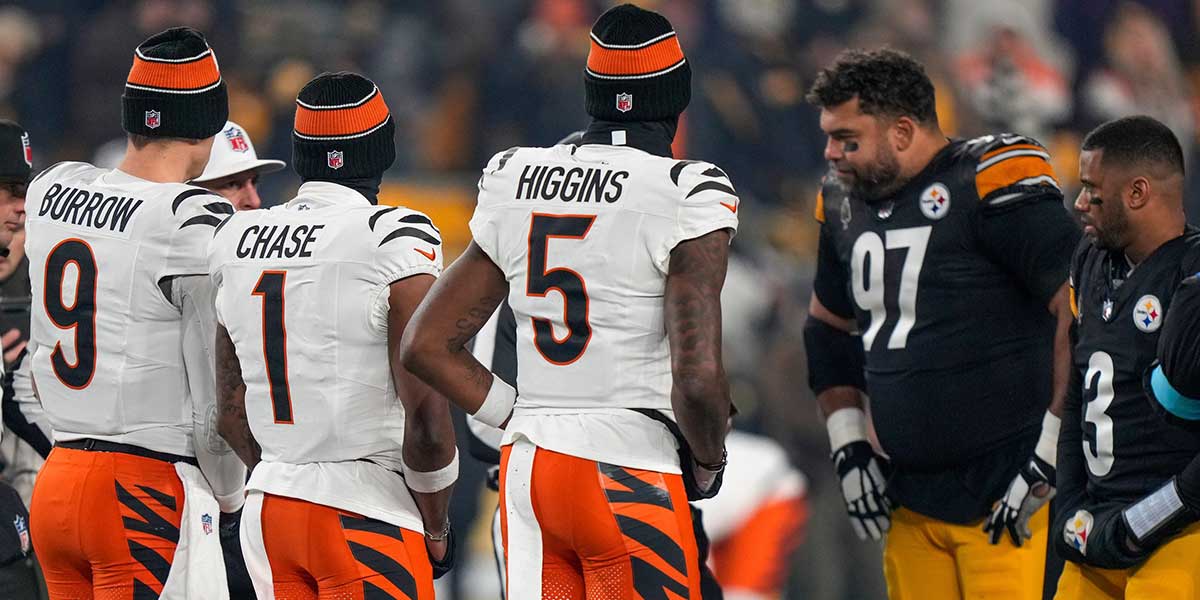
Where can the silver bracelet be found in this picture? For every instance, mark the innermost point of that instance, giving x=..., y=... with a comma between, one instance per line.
x=439, y=537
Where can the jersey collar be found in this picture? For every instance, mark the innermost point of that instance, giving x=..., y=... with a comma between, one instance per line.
x=654, y=137
x=321, y=194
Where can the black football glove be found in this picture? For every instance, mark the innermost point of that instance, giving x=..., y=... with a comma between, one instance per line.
x=864, y=487
x=1029, y=491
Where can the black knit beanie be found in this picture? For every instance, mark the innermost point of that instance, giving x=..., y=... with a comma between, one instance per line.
x=636, y=70
x=343, y=129
x=174, y=88
x=16, y=155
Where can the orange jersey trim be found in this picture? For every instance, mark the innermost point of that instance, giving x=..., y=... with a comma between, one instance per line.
x=999, y=151
x=819, y=208
x=660, y=55
x=341, y=122
x=193, y=75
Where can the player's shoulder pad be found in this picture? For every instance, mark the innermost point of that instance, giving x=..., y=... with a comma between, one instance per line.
x=496, y=164
x=194, y=206
x=1011, y=169
x=61, y=168
x=702, y=183
x=395, y=223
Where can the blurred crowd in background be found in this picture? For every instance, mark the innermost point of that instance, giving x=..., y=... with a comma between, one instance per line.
x=468, y=78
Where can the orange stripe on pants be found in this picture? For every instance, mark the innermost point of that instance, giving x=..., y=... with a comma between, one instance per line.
x=607, y=532
x=105, y=525
x=318, y=552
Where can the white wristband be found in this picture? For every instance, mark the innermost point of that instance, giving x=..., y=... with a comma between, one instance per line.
x=846, y=425
x=1047, y=444
x=498, y=404
x=429, y=482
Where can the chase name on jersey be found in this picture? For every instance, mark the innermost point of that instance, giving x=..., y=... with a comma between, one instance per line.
x=575, y=184
x=78, y=206
x=277, y=241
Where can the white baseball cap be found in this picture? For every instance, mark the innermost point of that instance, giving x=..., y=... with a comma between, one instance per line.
x=233, y=152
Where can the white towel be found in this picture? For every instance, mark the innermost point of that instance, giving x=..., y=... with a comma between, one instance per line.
x=198, y=570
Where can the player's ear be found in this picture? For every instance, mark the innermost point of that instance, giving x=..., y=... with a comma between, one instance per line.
x=1137, y=192
x=902, y=133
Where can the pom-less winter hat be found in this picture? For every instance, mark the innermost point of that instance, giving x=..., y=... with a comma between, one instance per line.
x=343, y=129
x=636, y=70
x=174, y=88
x=16, y=155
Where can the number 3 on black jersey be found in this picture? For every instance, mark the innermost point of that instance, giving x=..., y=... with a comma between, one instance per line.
x=79, y=316
x=570, y=284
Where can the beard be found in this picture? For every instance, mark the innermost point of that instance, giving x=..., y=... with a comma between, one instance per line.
x=874, y=182
x=1114, y=233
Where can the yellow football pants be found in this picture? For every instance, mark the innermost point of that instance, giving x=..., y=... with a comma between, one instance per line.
x=927, y=559
x=1171, y=573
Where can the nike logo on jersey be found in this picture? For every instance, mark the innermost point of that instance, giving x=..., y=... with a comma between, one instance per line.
x=431, y=255
x=732, y=207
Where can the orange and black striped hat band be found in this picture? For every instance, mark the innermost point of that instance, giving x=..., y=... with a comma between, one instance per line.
x=342, y=121
x=651, y=58
x=192, y=75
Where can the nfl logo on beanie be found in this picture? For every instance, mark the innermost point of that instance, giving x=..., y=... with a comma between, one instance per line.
x=635, y=53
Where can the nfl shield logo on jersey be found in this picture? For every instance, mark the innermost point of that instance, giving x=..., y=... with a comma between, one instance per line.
x=1148, y=313
x=334, y=159
x=22, y=532
x=624, y=102
x=237, y=140
x=1077, y=530
x=153, y=119
x=206, y=521
x=27, y=149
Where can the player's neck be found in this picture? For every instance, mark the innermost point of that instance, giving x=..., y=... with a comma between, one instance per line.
x=367, y=186
x=654, y=137
x=1152, y=238
x=160, y=163
x=926, y=146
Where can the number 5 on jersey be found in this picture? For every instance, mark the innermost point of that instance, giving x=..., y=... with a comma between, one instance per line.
x=539, y=281
x=270, y=289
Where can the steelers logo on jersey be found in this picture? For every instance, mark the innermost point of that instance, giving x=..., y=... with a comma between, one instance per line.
x=935, y=201
x=1148, y=313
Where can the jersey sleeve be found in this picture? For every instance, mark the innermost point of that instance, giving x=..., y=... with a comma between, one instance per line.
x=409, y=244
x=1023, y=222
x=484, y=230
x=195, y=215
x=708, y=202
x=831, y=282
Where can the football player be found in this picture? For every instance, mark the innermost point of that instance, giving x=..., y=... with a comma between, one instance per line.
x=123, y=332
x=1125, y=519
x=234, y=168
x=941, y=292
x=352, y=458
x=612, y=255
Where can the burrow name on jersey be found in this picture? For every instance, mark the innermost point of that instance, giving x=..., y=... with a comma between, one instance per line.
x=273, y=241
x=78, y=206
x=570, y=185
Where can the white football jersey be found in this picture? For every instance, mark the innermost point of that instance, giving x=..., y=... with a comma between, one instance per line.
x=584, y=236
x=109, y=358
x=303, y=291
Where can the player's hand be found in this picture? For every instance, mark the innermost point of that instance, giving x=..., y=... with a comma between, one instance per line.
x=864, y=489
x=1028, y=492
x=441, y=551
x=12, y=344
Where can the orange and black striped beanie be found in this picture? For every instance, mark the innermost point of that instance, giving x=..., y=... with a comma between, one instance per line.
x=636, y=70
x=343, y=129
x=174, y=88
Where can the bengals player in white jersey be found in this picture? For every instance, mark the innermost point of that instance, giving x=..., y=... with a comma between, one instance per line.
x=612, y=255
x=353, y=458
x=123, y=329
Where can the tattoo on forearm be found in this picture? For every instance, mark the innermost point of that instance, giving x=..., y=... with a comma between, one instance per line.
x=465, y=329
x=231, y=402
x=696, y=303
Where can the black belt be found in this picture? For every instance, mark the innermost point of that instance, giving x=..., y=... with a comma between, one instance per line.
x=94, y=445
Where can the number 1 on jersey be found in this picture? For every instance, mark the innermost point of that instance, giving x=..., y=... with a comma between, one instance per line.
x=539, y=282
x=270, y=288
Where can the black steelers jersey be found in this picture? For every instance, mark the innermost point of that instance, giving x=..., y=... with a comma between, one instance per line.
x=949, y=281
x=1127, y=449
